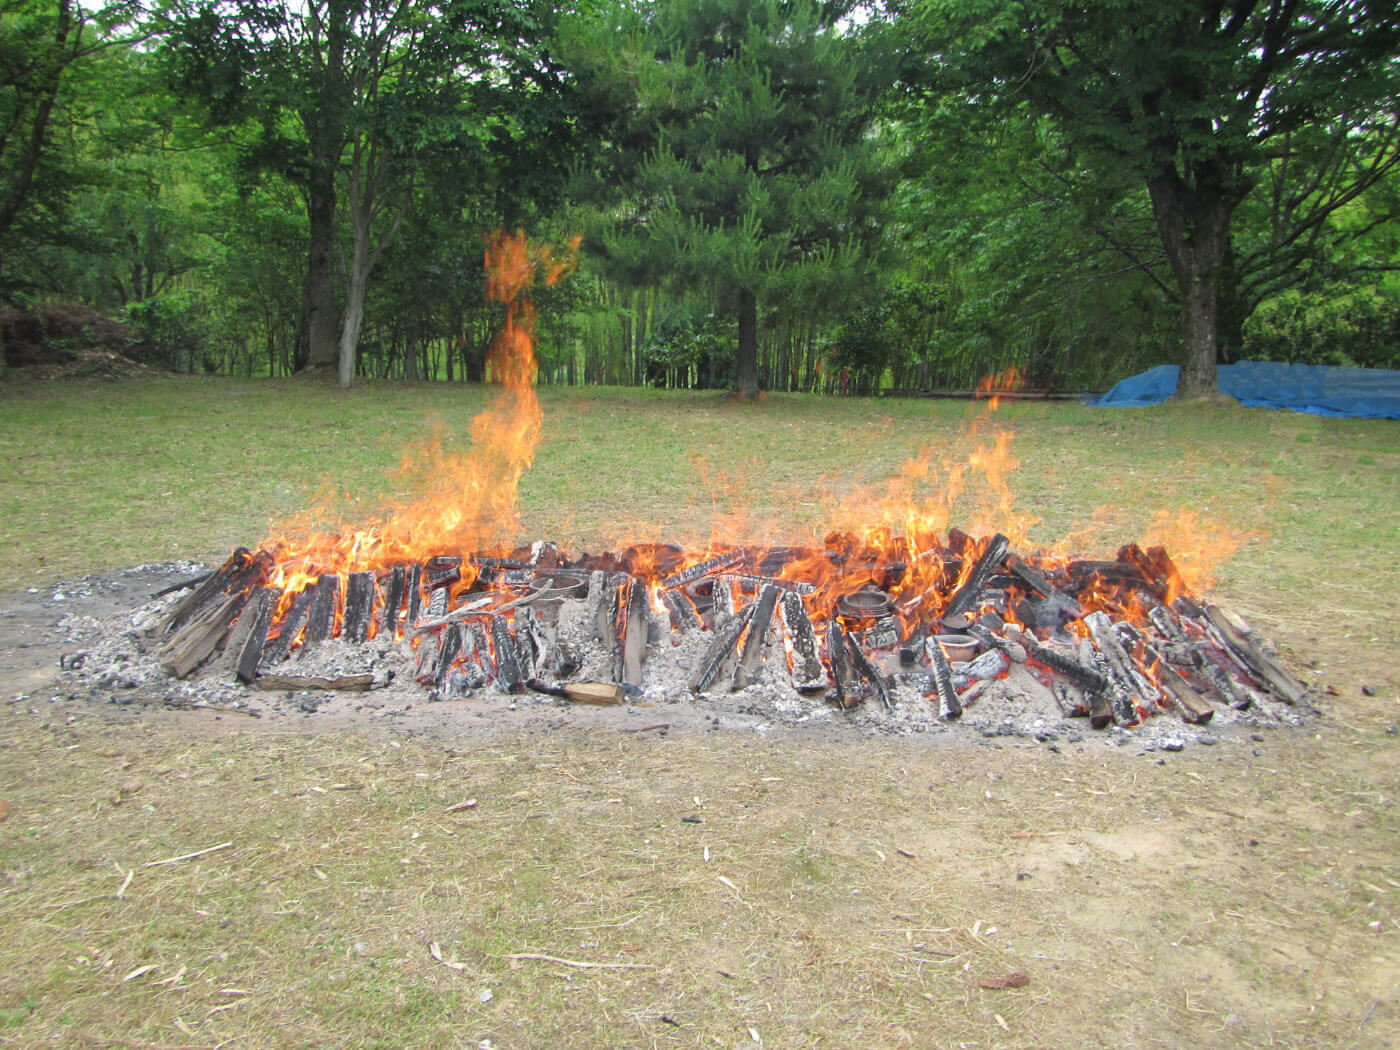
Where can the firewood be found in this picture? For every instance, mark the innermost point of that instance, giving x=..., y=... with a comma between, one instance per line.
x=359, y=607
x=192, y=645
x=292, y=624
x=969, y=595
x=633, y=647
x=584, y=692
x=806, y=662
x=941, y=676
x=842, y=673
x=349, y=683
x=1190, y=704
x=867, y=670
x=394, y=586
x=722, y=603
x=242, y=571
x=447, y=655
x=1246, y=645
x=751, y=583
x=1124, y=690
x=681, y=612
x=704, y=568
x=708, y=671
x=258, y=617
x=413, y=590
x=442, y=571
x=320, y=618
x=1038, y=583
x=507, y=662
x=756, y=640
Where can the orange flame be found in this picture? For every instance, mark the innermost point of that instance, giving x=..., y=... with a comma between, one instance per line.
x=469, y=502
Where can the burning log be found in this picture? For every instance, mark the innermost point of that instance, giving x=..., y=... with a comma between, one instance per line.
x=722, y=603
x=1056, y=598
x=414, y=596
x=681, y=612
x=320, y=618
x=1245, y=644
x=941, y=674
x=1156, y=565
x=634, y=642
x=752, y=583
x=1117, y=668
x=709, y=670
x=426, y=662
x=1072, y=705
x=756, y=641
x=704, y=568
x=447, y=656
x=257, y=616
x=359, y=607
x=868, y=671
x=1166, y=625
x=442, y=571
x=1189, y=703
x=393, y=602
x=991, y=664
x=507, y=662
x=842, y=672
x=806, y=663
x=602, y=605
x=956, y=616
x=193, y=644
x=291, y=628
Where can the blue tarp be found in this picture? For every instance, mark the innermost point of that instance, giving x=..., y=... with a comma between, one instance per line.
x=1368, y=393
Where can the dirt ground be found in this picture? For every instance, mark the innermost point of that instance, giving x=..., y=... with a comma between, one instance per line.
x=721, y=886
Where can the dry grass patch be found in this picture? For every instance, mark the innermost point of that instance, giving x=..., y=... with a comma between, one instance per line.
x=826, y=895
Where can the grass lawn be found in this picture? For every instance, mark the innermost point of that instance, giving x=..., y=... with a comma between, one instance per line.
x=831, y=894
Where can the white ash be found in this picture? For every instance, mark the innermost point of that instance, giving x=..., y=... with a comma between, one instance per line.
x=117, y=661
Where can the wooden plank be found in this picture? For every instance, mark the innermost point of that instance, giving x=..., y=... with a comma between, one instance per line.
x=394, y=587
x=291, y=627
x=949, y=705
x=868, y=671
x=320, y=617
x=709, y=670
x=806, y=661
x=192, y=645
x=634, y=643
x=964, y=603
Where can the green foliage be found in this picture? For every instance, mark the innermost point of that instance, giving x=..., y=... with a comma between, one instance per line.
x=1356, y=328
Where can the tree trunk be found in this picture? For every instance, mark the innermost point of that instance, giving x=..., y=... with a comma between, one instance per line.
x=746, y=371
x=360, y=264
x=1195, y=227
x=322, y=350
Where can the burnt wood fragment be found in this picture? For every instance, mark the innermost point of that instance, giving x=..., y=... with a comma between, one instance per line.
x=704, y=568
x=708, y=671
x=242, y=571
x=359, y=606
x=1245, y=645
x=447, y=656
x=193, y=581
x=634, y=643
x=348, y=683
x=194, y=643
x=320, y=618
x=1166, y=625
x=413, y=588
x=751, y=583
x=426, y=659
x=964, y=603
x=287, y=633
x=1072, y=704
x=843, y=680
x=1189, y=704
x=756, y=641
x=941, y=677
x=681, y=612
x=722, y=603
x=394, y=587
x=1124, y=690
x=867, y=670
x=1047, y=590
x=806, y=662
x=442, y=571
x=257, y=615
x=507, y=662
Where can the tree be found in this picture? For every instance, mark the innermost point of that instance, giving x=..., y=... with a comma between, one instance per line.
x=352, y=99
x=744, y=152
x=1197, y=99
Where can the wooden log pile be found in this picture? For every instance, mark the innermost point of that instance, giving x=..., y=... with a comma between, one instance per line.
x=1116, y=642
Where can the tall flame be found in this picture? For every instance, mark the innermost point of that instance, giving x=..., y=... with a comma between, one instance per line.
x=467, y=502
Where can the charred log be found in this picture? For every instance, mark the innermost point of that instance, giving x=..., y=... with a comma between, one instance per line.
x=507, y=662
x=941, y=674
x=359, y=607
x=756, y=641
x=708, y=672
x=394, y=587
x=634, y=643
x=290, y=630
x=704, y=568
x=198, y=639
x=964, y=602
x=806, y=662
x=867, y=670
x=1246, y=646
x=257, y=615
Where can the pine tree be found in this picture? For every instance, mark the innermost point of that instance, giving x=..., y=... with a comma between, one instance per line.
x=746, y=154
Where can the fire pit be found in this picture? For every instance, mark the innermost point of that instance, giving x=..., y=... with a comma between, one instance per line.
x=902, y=631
